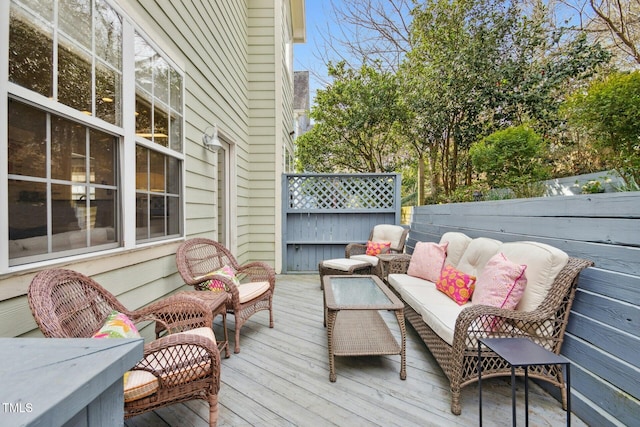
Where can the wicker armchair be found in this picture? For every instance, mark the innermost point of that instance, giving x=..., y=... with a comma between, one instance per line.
x=186, y=363
x=395, y=234
x=198, y=257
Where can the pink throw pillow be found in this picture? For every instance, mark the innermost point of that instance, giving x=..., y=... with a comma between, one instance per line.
x=500, y=284
x=376, y=248
x=455, y=284
x=427, y=260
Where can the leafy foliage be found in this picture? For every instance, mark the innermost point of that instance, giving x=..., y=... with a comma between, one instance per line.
x=355, y=119
x=609, y=111
x=511, y=158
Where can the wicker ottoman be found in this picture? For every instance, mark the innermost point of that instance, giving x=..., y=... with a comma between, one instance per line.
x=342, y=266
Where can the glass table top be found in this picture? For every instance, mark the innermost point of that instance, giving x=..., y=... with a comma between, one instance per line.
x=359, y=291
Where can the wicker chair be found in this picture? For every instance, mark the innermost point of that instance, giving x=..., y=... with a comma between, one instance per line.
x=198, y=257
x=396, y=234
x=68, y=304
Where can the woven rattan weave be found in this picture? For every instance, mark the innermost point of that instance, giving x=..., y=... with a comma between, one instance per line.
x=68, y=304
x=545, y=326
x=198, y=257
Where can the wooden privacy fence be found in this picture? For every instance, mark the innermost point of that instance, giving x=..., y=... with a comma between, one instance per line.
x=603, y=334
x=324, y=212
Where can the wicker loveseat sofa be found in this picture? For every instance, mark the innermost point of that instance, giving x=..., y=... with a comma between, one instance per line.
x=451, y=331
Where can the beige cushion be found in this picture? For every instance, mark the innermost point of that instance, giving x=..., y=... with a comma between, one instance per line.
x=543, y=263
x=478, y=252
x=139, y=384
x=251, y=290
x=437, y=309
x=458, y=243
x=388, y=233
x=399, y=281
x=343, y=264
x=373, y=260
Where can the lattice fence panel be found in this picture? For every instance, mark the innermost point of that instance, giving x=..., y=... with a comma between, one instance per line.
x=341, y=192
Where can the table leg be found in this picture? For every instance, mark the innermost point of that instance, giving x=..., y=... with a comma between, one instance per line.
x=526, y=396
x=227, y=354
x=568, y=368
x=513, y=394
x=331, y=320
x=480, y=383
x=403, y=348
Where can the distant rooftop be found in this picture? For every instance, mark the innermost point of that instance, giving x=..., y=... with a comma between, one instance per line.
x=301, y=90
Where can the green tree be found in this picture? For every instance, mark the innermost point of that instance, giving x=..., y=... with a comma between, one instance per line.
x=609, y=112
x=355, y=118
x=511, y=158
x=478, y=66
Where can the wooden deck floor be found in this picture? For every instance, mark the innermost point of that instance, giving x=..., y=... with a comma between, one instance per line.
x=281, y=378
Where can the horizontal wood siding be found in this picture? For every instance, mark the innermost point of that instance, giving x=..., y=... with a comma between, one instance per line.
x=257, y=193
x=603, y=335
x=209, y=42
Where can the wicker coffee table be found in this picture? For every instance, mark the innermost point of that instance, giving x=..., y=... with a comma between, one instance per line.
x=354, y=324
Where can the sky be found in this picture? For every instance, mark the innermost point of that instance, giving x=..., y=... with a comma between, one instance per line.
x=318, y=16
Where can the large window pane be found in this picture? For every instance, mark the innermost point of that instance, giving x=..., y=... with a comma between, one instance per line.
x=173, y=215
x=103, y=158
x=142, y=216
x=74, y=77
x=64, y=197
x=142, y=168
x=74, y=18
x=158, y=98
x=158, y=195
x=176, y=132
x=173, y=175
x=108, y=34
x=108, y=95
x=30, y=52
x=157, y=214
x=157, y=172
x=160, y=125
x=27, y=215
x=175, y=83
x=27, y=140
x=68, y=150
x=143, y=115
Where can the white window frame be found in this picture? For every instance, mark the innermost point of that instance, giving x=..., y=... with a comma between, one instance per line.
x=126, y=134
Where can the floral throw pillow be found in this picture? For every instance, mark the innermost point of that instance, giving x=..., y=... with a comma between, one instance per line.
x=117, y=325
x=376, y=248
x=218, y=285
x=427, y=260
x=456, y=285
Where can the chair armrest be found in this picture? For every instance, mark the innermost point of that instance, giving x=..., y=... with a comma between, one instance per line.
x=175, y=313
x=481, y=321
x=355, y=249
x=258, y=271
x=168, y=357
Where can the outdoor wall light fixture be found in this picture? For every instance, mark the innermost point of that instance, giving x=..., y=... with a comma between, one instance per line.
x=210, y=138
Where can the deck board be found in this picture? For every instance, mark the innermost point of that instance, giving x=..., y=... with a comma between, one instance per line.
x=281, y=378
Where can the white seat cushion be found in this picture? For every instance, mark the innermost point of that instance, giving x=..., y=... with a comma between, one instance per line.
x=251, y=290
x=343, y=264
x=373, y=260
x=436, y=308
